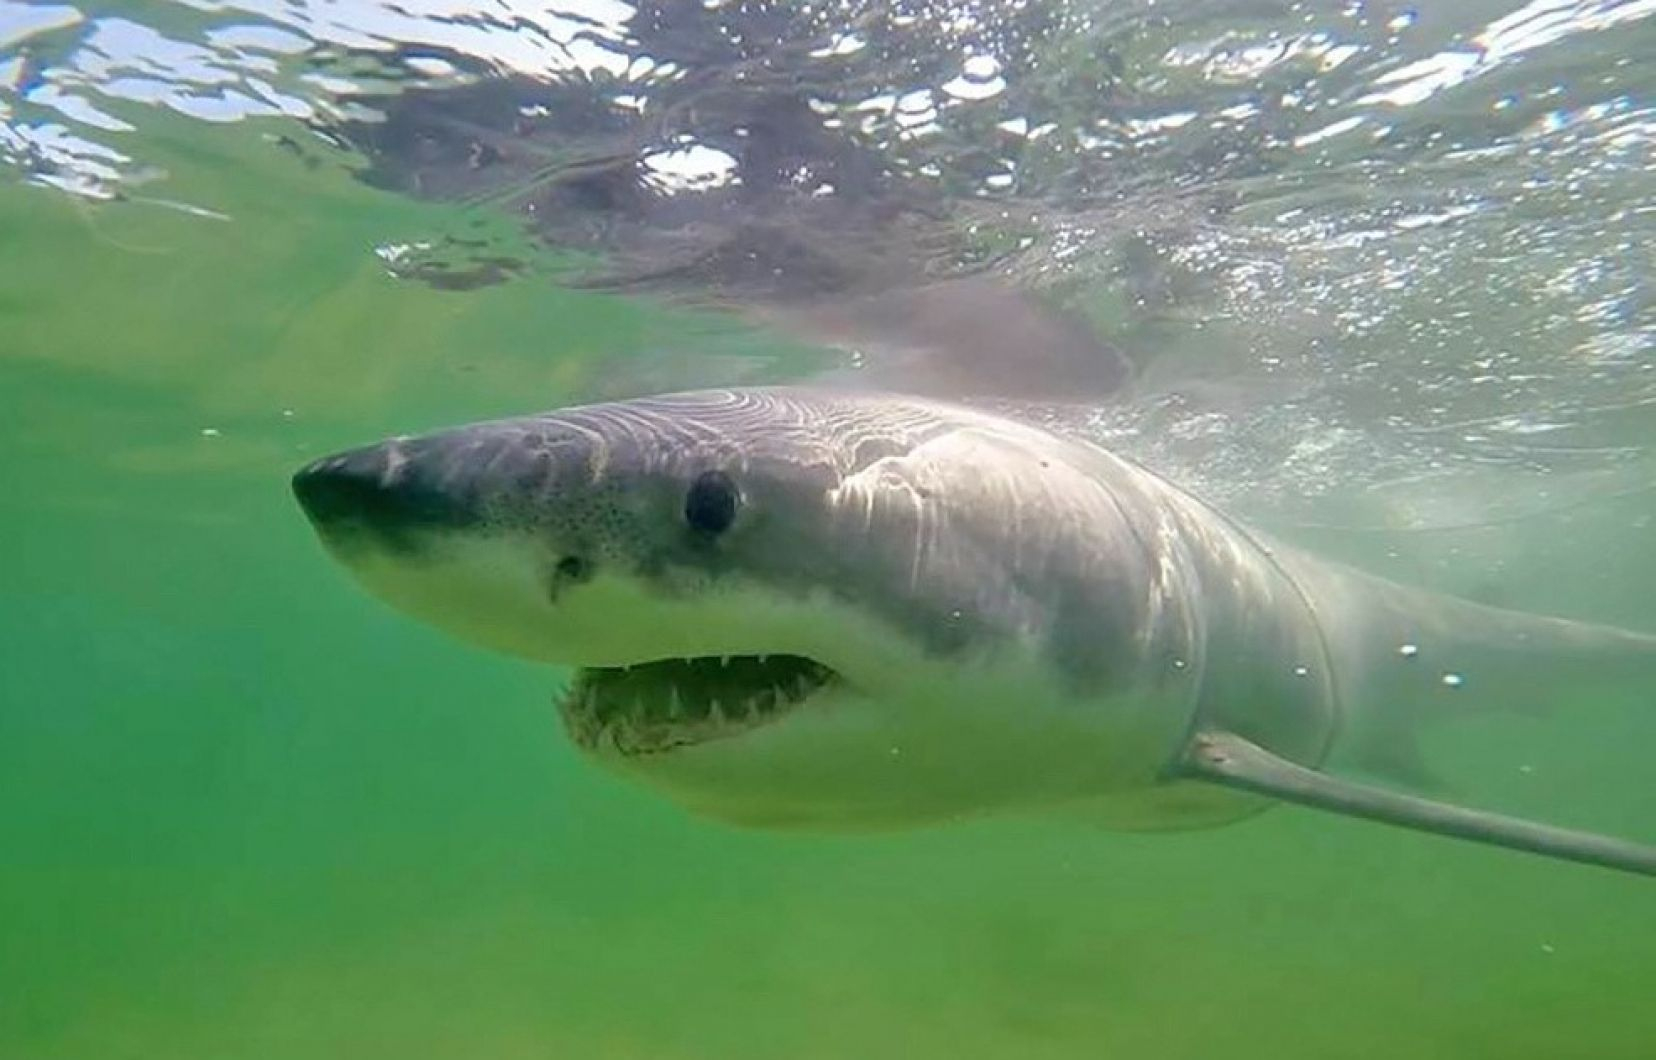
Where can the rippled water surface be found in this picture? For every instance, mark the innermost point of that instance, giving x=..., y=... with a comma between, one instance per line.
x=1375, y=275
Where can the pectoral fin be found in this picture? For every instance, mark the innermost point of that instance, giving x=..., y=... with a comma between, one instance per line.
x=1228, y=759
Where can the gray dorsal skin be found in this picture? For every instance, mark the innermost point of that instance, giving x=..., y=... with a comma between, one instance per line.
x=803, y=607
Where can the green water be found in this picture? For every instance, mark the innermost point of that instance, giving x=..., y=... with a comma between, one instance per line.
x=247, y=812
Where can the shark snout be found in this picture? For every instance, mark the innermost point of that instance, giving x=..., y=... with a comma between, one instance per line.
x=379, y=490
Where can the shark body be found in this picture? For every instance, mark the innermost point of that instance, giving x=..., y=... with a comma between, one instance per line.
x=805, y=607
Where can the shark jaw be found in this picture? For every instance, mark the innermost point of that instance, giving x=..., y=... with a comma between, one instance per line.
x=771, y=710
x=657, y=707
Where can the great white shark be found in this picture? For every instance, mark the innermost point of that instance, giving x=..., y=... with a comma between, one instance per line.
x=813, y=608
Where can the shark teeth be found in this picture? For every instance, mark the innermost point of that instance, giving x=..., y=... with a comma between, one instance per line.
x=652, y=707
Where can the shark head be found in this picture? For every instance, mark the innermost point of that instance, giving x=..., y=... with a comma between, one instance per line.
x=788, y=606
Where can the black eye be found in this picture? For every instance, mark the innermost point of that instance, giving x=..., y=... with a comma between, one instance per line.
x=710, y=506
x=574, y=568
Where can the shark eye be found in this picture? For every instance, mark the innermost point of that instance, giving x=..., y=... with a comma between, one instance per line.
x=574, y=569
x=710, y=506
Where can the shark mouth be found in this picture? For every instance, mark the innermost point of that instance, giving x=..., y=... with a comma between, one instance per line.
x=655, y=707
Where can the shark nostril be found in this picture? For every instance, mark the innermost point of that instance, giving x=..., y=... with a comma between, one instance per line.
x=382, y=489
x=331, y=490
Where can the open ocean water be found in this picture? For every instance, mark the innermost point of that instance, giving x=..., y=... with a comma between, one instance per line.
x=1383, y=273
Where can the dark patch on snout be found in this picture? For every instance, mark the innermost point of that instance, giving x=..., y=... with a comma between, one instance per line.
x=385, y=493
